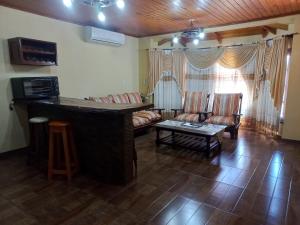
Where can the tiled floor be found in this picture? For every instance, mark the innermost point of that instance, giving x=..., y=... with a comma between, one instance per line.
x=256, y=181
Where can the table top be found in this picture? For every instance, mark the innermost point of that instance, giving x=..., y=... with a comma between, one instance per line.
x=85, y=105
x=193, y=128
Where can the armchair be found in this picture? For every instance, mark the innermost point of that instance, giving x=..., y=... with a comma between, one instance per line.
x=194, y=107
x=227, y=111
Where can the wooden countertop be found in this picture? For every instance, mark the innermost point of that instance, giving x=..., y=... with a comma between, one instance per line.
x=89, y=106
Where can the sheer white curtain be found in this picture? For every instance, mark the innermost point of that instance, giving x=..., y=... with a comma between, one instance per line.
x=167, y=94
x=267, y=115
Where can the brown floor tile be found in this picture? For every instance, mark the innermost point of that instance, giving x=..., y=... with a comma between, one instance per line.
x=255, y=181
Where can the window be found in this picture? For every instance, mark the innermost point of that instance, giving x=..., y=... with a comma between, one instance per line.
x=282, y=112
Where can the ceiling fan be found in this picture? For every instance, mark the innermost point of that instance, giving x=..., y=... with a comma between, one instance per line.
x=192, y=35
x=99, y=5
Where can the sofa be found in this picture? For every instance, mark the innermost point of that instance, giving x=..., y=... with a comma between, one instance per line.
x=141, y=120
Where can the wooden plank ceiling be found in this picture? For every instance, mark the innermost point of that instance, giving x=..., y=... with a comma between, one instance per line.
x=151, y=17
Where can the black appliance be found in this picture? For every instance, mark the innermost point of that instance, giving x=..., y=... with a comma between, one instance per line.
x=35, y=87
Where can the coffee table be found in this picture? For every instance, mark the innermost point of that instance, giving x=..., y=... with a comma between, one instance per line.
x=195, y=136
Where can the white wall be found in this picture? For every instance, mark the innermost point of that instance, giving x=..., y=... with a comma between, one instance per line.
x=84, y=69
x=291, y=128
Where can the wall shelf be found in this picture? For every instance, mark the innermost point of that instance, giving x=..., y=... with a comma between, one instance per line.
x=25, y=51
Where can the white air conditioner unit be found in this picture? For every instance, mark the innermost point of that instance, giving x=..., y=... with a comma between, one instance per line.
x=96, y=35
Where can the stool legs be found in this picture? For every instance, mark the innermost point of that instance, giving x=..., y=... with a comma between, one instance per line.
x=67, y=154
x=38, y=143
x=73, y=149
x=62, y=135
x=51, y=155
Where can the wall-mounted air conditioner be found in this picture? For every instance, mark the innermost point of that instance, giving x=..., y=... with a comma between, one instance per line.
x=96, y=35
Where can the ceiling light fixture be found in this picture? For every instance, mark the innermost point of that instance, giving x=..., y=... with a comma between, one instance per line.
x=99, y=5
x=175, y=40
x=101, y=16
x=68, y=3
x=193, y=35
x=201, y=33
x=196, y=41
x=120, y=4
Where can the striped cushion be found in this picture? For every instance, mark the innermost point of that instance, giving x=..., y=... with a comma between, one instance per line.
x=101, y=99
x=221, y=120
x=194, y=102
x=150, y=115
x=120, y=99
x=139, y=121
x=226, y=104
x=135, y=98
x=189, y=117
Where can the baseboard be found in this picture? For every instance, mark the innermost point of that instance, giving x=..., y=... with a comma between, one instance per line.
x=13, y=152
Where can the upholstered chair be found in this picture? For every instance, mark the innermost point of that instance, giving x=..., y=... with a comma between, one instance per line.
x=194, y=107
x=227, y=111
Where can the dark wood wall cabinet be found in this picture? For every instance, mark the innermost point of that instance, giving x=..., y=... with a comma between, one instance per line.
x=25, y=51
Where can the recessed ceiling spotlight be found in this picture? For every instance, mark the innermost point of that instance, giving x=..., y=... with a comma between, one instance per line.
x=101, y=16
x=175, y=40
x=120, y=4
x=196, y=41
x=68, y=3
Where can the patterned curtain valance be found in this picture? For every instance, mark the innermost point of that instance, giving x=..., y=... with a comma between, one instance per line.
x=233, y=57
x=204, y=58
x=236, y=57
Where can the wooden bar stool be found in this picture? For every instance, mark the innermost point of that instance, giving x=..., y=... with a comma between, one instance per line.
x=38, y=140
x=62, y=145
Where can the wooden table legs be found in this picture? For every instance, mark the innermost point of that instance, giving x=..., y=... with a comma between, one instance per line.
x=157, y=136
x=205, y=143
x=207, y=151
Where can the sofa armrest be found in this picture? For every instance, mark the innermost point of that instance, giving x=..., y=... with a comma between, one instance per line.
x=237, y=114
x=237, y=117
x=157, y=109
x=176, y=111
x=206, y=114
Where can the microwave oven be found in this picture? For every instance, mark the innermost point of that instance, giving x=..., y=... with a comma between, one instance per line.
x=35, y=87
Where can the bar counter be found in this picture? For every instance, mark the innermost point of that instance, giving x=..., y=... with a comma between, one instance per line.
x=103, y=134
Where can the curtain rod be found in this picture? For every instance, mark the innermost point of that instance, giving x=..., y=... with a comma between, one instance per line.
x=226, y=46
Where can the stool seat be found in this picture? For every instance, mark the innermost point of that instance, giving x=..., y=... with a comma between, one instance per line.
x=38, y=120
x=57, y=123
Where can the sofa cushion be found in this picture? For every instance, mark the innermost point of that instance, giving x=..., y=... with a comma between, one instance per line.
x=120, y=99
x=150, y=115
x=134, y=98
x=106, y=100
x=139, y=121
x=194, y=102
x=221, y=120
x=226, y=104
x=188, y=117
